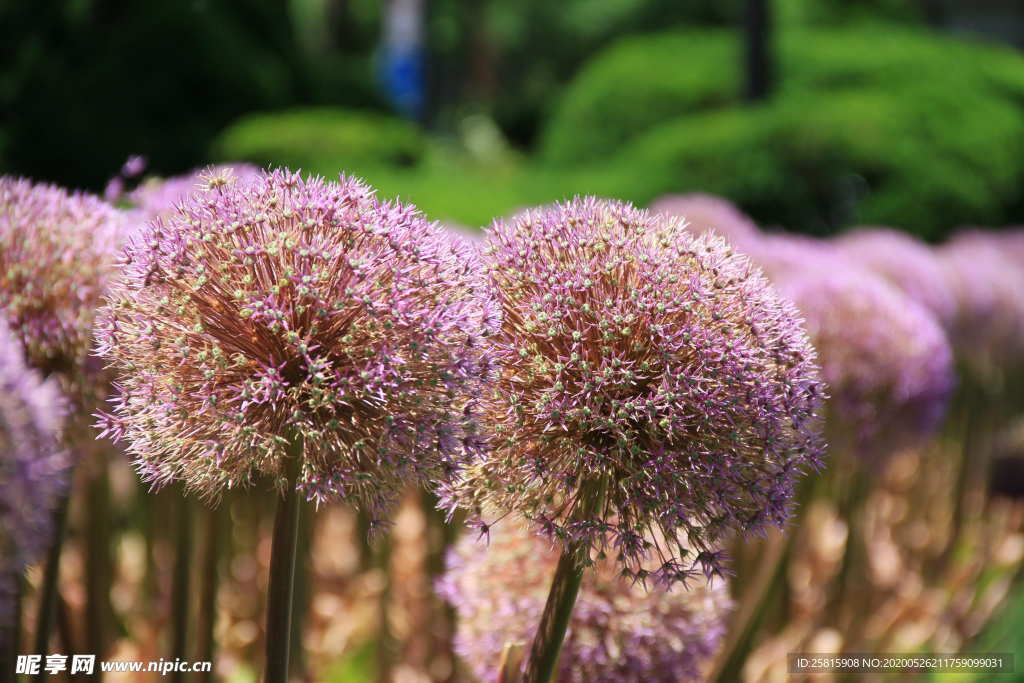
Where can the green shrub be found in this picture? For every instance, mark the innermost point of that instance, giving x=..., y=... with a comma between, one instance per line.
x=637, y=83
x=874, y=124
x=644, y=81
x=303, y=138
x=920, y=157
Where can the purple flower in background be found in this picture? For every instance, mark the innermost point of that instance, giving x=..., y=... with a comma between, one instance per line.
x=780, y=254
x=619, y=631
x=57, y=256
x=132, y=167
x=652, y=385
x=707, y=213
x=33, y=467
x=281, y=309
x=885, y=358
x=904, y=262
x=988, y=285
x=161, y=196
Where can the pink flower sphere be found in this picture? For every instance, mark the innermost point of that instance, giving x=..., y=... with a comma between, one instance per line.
x=652, y=385
x=58, y=253
x=619, y=630
x=33, y=467
x=906, y=263
x=987, y=282
x=886, y=361
x=283, y=312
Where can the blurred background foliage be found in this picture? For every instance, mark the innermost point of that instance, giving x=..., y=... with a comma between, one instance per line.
x=904, y=112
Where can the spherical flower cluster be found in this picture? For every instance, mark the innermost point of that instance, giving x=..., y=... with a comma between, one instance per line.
x=652, y=385
x=780, y=254
x=619, y=631
x=33, y=468
x=57, y=256
x=988, y=330
x=907, y=264
x=884, y=357
x=707, y=213
x=283, y=313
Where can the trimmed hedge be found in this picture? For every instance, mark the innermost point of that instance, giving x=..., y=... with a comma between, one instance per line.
x=876, y=125
x=922, y=158
x=303, y=138
x=643, y=81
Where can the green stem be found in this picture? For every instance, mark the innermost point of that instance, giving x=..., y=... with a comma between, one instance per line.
x=180, y=588
x=97, y=556
x=386, y=645
x=510, y=663
x=10, y=631
x=547, y=643
x=212, y=532
x=732, y=667
x=282, y=574
x=51, y=574
x=301, y=595
x=440, y=636
x=768, y=584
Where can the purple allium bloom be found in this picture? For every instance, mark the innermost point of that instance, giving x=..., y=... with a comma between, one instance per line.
x=782, y=253
x=619, y=632
x=285, y=309
x=652, y=385
x=707, y=213
x=33, y=467
x=987, y=282
x=885, y=358
x=906, y=263
x=58, y=252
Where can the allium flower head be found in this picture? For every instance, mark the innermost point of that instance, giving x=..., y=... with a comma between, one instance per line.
x=707, y=213
x=281, y=310
x=33, y=468
x=987, y=282
x=904, y=262
x=652, y=385
x=57, y=256
x=780, y=254
x=619, y=632
x=885, y=358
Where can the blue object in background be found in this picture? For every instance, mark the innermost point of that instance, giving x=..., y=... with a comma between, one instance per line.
x=402, y=77
x=402, y=65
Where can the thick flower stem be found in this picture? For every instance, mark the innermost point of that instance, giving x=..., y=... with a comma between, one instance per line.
x=212, y=538
x=181, y=589
x=282, y=574
x=10, y=632
x=547, y=642
x=51, y=575
x=98, y=560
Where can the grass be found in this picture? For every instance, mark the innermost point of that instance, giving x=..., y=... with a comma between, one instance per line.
x=1005, y=634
